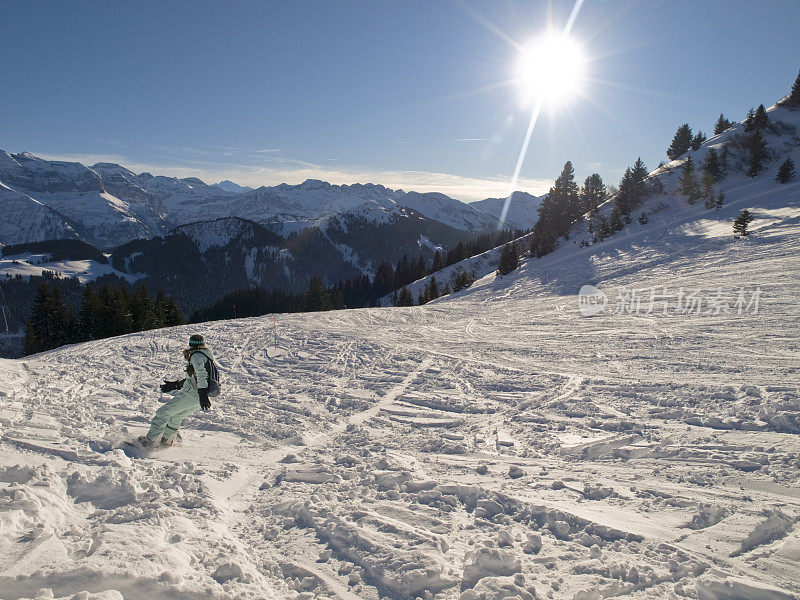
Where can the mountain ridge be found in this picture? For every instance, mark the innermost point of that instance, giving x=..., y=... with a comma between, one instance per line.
x=113, y=205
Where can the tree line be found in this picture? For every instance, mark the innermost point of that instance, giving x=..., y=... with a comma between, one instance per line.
x=103, y=311
x=361, y=291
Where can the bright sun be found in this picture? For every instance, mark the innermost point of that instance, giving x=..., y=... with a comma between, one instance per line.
x=551, y=68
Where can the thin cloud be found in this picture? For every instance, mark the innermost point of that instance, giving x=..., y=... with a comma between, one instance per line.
x=469, y=140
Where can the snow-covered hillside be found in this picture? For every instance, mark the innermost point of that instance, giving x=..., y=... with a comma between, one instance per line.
x=496, y=445
x=671, y=221
x=28, y=265
x=28, y=220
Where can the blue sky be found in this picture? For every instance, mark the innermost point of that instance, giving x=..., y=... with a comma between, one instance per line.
x=412, y=94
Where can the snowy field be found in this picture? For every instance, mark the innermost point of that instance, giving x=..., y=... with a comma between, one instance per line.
x=27, y=265
x=496, y=445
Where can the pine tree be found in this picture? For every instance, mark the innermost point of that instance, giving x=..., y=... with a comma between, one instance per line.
x=723, y=160
x=698, y=140
x=785, y=171
x=173, y=315
x=558, y=210
x=625, y=199
x=336, y=299
x=632, y=188
x=760, y=119
x=681, y=142
x=509, y=259
x=643, y=220
x=384, y=277
x=742, y=222
x=720, y=199
x=722, y=124
x=709, y=192
x=757, y=153
x=438, y=262
x=51, y=321
x=462, y=279
x=603, y=228
x=750, y=120
x=687, y=182
x=88, y=315
x=316, y=296
x=794, y=96
x=422, y=298
x=639, y=180
x=405, y=298
x=565, y=192
x=433, y=289
x=593, y=192
x=711, y=164
x=446, y=290
x=615, y=223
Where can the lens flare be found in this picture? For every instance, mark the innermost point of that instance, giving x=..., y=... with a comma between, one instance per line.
x=551, y=69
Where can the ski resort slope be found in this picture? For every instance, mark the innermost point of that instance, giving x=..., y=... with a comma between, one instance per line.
x=496, y=445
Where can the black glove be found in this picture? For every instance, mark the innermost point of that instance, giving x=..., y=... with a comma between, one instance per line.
x=205, y=403
x=169, y=386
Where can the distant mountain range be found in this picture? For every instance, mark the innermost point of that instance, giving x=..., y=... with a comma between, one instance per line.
x=230, y=186
x=197, y=242
x=522, y=209
x=108, y=205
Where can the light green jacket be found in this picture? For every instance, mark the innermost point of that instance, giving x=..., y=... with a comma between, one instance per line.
x=196, y=367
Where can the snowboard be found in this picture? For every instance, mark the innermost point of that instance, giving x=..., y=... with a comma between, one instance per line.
x=134, y=449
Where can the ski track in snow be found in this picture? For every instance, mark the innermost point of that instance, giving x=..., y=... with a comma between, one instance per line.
x=650, y=455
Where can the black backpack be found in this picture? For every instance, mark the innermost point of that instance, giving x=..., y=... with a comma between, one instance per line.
x=213, y=375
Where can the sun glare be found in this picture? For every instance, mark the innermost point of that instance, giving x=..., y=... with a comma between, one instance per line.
x=551, y=69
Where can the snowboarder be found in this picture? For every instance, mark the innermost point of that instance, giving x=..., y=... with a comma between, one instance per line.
x=193, y=395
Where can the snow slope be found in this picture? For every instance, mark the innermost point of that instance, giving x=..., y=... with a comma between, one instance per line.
x=28, y=220
x=496, y=445
x=36, y=264
x=672, y=222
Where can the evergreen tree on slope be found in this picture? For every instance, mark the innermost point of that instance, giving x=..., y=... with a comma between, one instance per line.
x=794, y=96
x=785, y=171
x=593, y=192
x=509, y=259
x=742, y=222
x=698, y=140
x=722, y=124
x=757, y=148
x=681, y=142
x=687, y=182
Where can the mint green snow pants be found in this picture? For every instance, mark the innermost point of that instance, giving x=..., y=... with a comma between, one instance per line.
x=170, y=415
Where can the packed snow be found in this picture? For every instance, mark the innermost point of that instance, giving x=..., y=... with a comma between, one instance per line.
x=496, y=445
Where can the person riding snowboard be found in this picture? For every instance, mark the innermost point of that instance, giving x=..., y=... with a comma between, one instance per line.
x=193, y=395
